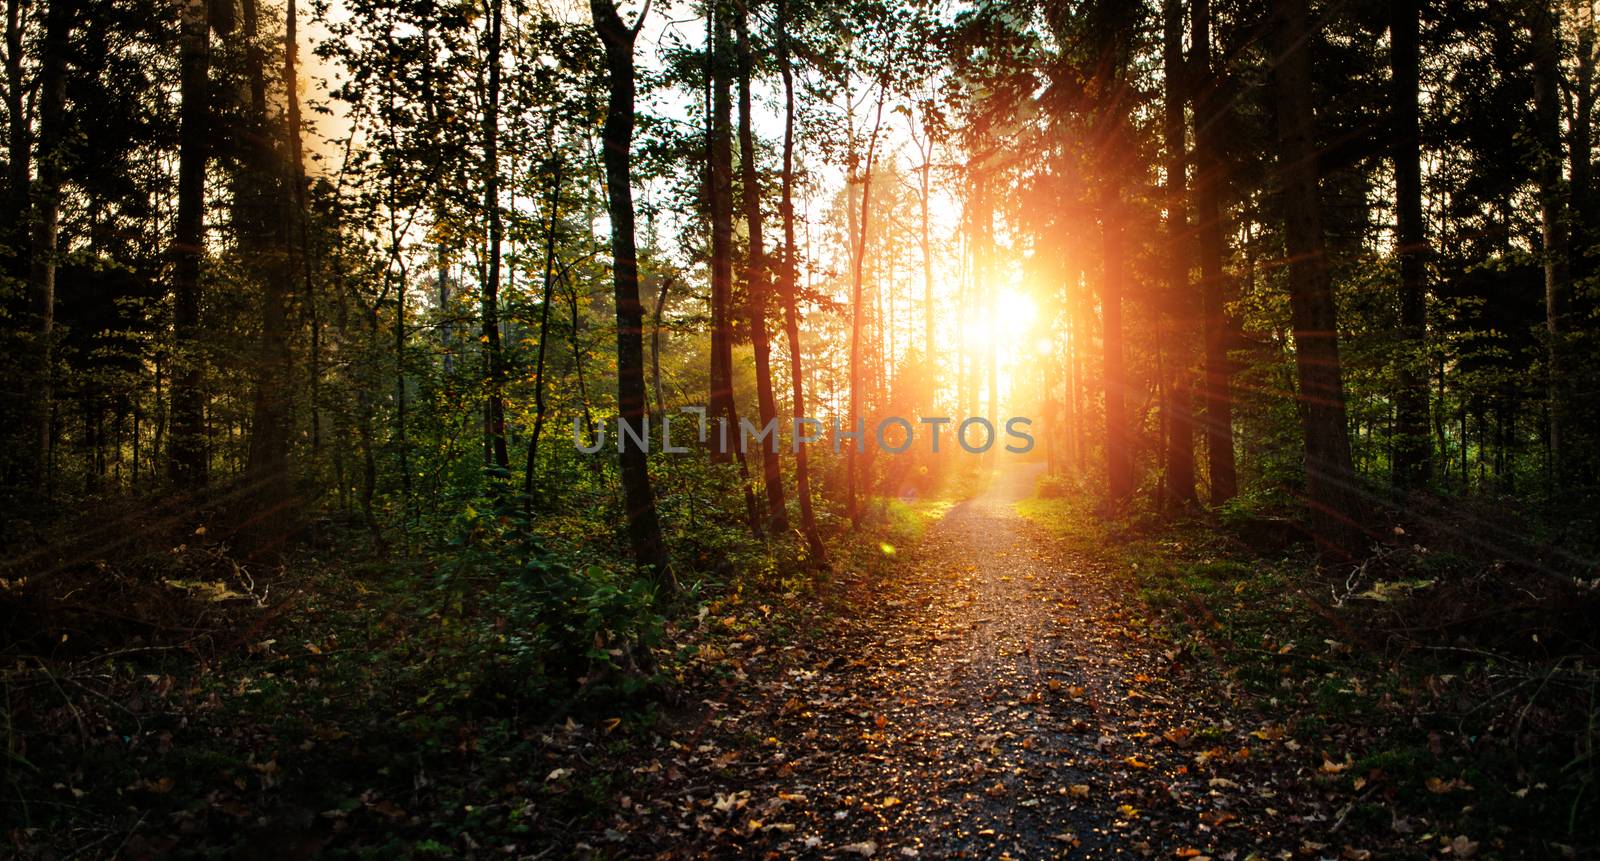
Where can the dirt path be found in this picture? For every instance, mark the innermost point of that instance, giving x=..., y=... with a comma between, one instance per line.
x=1001, y=700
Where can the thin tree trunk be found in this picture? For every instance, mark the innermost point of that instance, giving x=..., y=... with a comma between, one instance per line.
x=544, y=331
x=644, y=530
x=757, y=279
x=1180, y=428
x=186, y=449
x=1547, y=109
x=1582, y=135
x=1210, y=108
x=1331, y=488
x=494, y=403
x=925, y=188
x=577, y=355
x=46, y=209
x=19, y=151
x=786, y=287
x=1411, y=403
x=655, y=346
x=856, y=279
x=1119, y=453
x=720, y=206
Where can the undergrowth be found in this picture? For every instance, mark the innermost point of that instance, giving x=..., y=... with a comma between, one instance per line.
x=1446, y=692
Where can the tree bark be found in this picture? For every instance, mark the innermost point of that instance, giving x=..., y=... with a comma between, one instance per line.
x=1210, y=108
x=786, y=288
x=757, y=277
x=644, y=531
x=186, y=448
x=1331, y=490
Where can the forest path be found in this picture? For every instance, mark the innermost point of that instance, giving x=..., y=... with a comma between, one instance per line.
x=1001, y=698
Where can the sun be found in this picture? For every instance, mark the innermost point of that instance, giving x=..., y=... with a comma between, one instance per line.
x=1011, y=329
x=1006, y=325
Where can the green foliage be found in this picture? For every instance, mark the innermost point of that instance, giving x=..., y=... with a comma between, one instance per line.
x=546, y=625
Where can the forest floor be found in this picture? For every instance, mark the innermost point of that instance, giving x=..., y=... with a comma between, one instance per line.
x=1015, y=678
x=1004, y=695
x=1015, y=686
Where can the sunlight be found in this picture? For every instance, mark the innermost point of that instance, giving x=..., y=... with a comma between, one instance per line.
x=1011, y=329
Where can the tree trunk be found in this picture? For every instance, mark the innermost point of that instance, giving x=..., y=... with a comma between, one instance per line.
x=19, y=151
x=1547, y=110
x=1331, y=489
x=757, y=279
x=1582, y=135
x=260, y=224
x=1411, y=401
x=1119, y=452
x=786, y=287
x=655, y=346
x=644, y=531
x=187, y=449
x=494, y=397
x=544, y=332
x=1210, y=107
x=1180, y=418
x=300, y=247
x=46, y=209
x=925, y=182
x=856, y=280
x=720, y=206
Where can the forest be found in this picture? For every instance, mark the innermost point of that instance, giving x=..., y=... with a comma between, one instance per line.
x=800, y=428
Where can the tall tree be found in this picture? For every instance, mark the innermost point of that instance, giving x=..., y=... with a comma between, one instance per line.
x=786, y=289
x=187, y=449
x=1544, y=22
x=644, y=530
x=1114, y=26
x=924, y=143
x=1180, y=427
x=494, y=400
x=857, y=308
x=1211, y=99
x=720, y=208
x=300, y=220
x=261, y=224
x=757, y=277
x=46, y=210
x=1411, y=401
x=1331, y=489
x=1119, y=445
x=19, y=147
